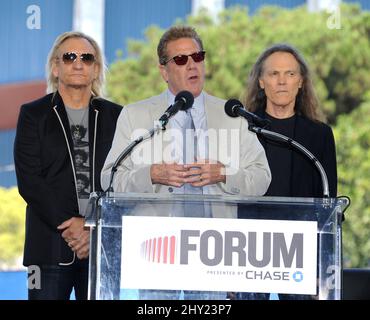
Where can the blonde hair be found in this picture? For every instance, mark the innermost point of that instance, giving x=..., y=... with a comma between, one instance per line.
x=52, y=81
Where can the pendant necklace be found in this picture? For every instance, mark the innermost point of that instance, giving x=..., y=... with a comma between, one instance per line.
x=76, y=128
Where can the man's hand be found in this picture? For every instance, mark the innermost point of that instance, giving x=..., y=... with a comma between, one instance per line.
x=76, y=235
x=169, y=174
x=81, y=246
x=72, y=228
x=204, y=172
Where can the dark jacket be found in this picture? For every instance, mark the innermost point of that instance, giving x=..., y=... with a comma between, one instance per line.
x=43, y=155
x=318, y=138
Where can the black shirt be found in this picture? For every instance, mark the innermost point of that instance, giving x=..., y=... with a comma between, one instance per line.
x=280, y=157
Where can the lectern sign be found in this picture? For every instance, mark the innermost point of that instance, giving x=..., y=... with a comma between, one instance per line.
x=219, y=254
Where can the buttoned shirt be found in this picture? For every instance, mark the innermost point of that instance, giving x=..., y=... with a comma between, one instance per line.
x=177, y=122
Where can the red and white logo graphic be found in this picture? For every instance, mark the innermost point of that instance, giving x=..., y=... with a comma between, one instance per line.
x=159, y=249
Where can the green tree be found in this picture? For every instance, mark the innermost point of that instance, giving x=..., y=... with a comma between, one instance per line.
x=12, y=220
x=352, y=135
x=339, y=67
x=136, y=77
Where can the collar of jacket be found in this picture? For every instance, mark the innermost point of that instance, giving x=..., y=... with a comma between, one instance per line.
x=94, y=108
x=58, y=101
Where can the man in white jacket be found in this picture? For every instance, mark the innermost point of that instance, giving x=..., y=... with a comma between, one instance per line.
x=231, y=161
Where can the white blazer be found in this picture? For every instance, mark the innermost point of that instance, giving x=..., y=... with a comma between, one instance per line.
x=251, y=178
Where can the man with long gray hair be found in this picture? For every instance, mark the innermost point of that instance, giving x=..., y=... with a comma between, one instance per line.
x=70, y=119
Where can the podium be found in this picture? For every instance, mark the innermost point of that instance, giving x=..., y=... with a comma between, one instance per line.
x=144, y=246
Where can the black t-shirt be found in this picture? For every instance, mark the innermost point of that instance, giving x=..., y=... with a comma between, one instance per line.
x=279, y=157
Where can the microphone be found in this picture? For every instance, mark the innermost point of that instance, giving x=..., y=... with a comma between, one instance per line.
x=183, y=101
x=234, y=108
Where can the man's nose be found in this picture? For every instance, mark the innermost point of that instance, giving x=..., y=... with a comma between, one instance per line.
x=282, y=78
x=78, y=64
x=191, y=63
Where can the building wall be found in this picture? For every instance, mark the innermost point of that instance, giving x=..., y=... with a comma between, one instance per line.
x=28, y=29
x=254, y=5
x=7, y=173
x=365, y=4
x=14, y=95
x=129, y=19
x=26, y=39
x=24, y=54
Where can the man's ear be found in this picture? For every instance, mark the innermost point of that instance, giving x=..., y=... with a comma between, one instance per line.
x=262, y=84
x=54, y=69
x=96, y=71
x=163, y=71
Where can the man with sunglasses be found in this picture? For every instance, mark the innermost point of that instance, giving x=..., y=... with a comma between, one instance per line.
x=45, y=150
x=181, y=64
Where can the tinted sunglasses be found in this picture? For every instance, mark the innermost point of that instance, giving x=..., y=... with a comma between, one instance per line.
x=86, y=58
x=182, y=59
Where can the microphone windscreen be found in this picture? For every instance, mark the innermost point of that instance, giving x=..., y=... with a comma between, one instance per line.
x=187, y=97
x=229, y=107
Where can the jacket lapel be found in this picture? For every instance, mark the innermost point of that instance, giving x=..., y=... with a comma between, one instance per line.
x=158, y=107
x=213, y=119
x=94, y=107
x=60, y=109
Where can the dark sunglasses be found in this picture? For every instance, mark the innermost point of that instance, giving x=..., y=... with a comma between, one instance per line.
x=182, y=59
x=70, y=57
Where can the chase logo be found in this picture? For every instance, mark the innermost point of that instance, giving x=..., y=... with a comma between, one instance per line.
x=297, y=276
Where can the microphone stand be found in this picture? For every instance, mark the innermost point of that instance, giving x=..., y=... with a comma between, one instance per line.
x=161, y=125
x=281, y=138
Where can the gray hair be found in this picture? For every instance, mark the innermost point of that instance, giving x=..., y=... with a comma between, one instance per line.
x=306, y=101
x=52, y=81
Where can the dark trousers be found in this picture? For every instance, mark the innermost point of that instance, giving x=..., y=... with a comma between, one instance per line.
x=58, y=281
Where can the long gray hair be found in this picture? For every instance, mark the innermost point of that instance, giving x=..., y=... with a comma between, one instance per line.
x=306, y=101
x=52, y=81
